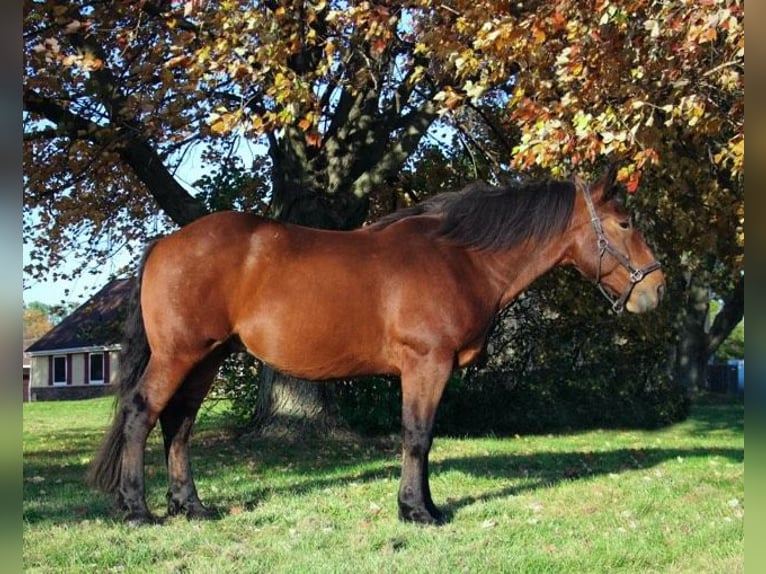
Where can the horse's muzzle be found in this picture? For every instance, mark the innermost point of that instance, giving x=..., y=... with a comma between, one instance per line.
x=643, y=300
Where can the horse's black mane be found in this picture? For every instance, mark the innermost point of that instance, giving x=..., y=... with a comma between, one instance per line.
x=488, y=217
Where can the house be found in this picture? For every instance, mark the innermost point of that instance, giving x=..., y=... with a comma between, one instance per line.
x=79, y=357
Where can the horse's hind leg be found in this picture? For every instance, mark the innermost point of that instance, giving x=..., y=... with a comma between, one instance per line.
x=140, y=410
x=136, y=427
x=177, y=421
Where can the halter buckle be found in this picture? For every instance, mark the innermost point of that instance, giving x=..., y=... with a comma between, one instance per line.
x=636, y=275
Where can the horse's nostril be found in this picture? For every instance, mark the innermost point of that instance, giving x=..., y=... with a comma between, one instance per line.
x=660, y=291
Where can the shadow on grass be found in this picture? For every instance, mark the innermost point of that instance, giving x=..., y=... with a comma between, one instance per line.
x=66, y=501
x=54, y=488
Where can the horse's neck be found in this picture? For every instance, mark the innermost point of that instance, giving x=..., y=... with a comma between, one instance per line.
x=512, y=271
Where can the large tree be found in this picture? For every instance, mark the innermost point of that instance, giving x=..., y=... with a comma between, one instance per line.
x=117, y=95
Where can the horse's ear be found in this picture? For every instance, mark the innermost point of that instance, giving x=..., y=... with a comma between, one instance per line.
x=605, y=188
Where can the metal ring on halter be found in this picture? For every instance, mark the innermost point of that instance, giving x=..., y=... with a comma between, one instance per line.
x=603, y=245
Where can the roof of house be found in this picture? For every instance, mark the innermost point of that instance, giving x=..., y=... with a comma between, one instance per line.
x=96, y=323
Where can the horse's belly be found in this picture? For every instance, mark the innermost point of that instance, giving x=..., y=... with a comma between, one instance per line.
x=315, y=346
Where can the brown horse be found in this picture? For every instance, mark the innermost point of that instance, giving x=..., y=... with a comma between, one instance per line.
x=412, y=295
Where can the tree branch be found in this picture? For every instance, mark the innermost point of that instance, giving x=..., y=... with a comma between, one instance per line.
x=414, y=124
x=174, y=200
x=140, y=156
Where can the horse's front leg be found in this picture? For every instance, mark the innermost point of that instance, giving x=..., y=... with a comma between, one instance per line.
x=415, y=502
x=422, y=387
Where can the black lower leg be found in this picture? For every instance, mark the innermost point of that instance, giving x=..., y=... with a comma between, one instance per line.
x=415, y=503
x=130, y=497
x=429, y=503
x=177, y=421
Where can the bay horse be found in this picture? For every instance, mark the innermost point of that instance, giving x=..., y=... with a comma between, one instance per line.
x=412, y=295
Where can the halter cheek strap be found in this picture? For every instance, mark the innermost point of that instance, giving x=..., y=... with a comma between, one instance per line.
x=636, y=275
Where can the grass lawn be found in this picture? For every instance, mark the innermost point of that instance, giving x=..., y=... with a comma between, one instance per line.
x=670, y=500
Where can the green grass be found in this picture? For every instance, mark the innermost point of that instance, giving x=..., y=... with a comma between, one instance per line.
x=670, y=500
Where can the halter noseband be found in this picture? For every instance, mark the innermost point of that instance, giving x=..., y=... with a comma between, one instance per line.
x=636, y=275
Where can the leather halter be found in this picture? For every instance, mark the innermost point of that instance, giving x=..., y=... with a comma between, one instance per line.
x=636, y=275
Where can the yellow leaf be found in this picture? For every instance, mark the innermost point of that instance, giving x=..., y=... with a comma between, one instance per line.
x=175, y=61
x=421, y=48
x=219, y=127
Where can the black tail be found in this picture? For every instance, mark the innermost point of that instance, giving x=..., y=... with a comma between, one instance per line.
x=104, y=472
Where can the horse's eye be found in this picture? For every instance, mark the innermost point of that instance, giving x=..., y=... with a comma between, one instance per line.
x=625, y=224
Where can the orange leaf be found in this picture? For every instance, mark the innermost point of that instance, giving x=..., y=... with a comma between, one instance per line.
x=379, y=45
x=633, y=181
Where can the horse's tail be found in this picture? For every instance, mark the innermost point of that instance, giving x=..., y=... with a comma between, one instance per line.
x=104, y=472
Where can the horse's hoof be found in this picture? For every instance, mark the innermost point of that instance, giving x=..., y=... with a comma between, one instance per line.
x=192, y=510
x=421, y=516
x=439, y=519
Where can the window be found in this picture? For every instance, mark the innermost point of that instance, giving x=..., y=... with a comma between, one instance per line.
x=96, y=368
x=59, y=370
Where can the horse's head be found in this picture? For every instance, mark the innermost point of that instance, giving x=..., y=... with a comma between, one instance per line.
x=610, y=251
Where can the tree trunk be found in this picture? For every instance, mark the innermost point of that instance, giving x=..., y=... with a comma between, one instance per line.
x=697, y=340
x=727, y=319
x=691, y=359
x=290, y=407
